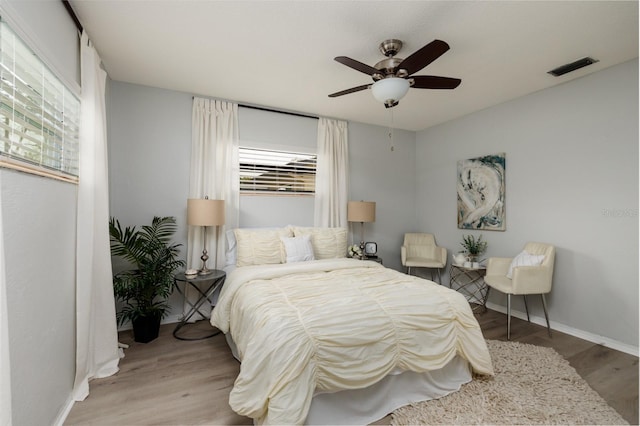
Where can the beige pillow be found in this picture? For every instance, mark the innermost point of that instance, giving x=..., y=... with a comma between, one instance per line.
x=260, y=246
x=328, y=243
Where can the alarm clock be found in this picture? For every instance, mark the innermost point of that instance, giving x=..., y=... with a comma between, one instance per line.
x=370, y=249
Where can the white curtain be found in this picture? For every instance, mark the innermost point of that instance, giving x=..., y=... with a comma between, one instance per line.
x=5, y=370
x=97, y=353
x=214, y=173
x=332, y=174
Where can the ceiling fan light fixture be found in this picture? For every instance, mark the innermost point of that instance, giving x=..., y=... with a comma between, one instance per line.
x=390, y=90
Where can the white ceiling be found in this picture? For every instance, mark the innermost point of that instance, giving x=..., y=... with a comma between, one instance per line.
x=279, y=54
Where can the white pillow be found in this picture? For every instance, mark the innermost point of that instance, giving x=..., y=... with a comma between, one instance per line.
x=298, y=249
x=525, y=259
x=328, y=243
x=260, y=246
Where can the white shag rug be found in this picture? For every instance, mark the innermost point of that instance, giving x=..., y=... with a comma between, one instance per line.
x=532, y=385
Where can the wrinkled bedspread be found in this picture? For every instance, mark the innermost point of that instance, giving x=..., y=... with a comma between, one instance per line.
x=336, y=324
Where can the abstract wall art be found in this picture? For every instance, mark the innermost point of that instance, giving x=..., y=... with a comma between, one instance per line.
x=481, y=193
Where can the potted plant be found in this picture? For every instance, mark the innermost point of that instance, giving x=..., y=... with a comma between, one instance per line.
x=473, y=247
x=144, y=290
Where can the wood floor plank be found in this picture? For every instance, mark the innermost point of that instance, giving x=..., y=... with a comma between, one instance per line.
x=175, y=382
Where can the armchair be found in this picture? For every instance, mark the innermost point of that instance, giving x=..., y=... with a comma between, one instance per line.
x=420, y=251
x=530, y=272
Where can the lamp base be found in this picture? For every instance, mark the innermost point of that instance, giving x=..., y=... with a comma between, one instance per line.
x=204, y=270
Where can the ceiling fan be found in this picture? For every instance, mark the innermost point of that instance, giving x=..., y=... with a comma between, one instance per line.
x=392, y=76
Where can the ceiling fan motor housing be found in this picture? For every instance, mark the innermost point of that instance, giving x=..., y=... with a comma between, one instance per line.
x=390, y=47
x=388, y=66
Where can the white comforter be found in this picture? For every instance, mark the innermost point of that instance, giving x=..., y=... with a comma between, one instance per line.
x=336, y=324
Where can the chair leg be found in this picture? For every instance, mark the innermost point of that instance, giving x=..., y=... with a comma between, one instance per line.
x=508, y=317
x=526, y=308
x=439, y=277
x=546, y=315
x=408, y=270
x=486, y=297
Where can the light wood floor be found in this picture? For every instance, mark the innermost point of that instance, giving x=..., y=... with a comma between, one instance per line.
x=171, y=382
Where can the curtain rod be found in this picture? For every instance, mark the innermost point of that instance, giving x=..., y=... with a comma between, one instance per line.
x=73, y=15
x=297, y=114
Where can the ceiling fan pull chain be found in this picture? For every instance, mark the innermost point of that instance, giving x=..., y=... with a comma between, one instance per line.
x=391, y=130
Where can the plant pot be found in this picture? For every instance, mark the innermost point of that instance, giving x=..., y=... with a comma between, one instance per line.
x=146, y=329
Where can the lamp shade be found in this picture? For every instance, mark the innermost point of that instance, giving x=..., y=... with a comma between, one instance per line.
x=361, y=211
x=390, y=89
x=205, y=212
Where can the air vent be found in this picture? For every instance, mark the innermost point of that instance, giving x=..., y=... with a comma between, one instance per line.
x=563, y=69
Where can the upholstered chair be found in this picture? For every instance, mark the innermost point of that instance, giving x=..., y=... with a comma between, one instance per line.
x=531, y=272
x=420, y=251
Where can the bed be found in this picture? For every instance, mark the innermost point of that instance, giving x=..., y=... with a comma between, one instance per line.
x=338, y=340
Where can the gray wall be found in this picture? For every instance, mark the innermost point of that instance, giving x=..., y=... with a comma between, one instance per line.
x=39, y=222
x=571, y=180
x=388, y=178
x=39, y=238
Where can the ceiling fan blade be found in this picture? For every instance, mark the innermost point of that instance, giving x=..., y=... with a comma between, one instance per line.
x=352, y=90
x=434, y=82
x=423, y=57
x=358, y=66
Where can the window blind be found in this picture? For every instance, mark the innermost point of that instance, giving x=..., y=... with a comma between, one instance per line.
x=267, y=171
x=39, y=116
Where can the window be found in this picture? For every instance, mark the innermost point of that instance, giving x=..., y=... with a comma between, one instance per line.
x=266, y=171
x=39, y=116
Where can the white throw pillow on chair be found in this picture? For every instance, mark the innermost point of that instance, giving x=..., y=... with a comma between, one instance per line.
x=525, y=259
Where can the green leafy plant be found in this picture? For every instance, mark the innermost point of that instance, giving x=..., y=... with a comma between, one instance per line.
x=472, y=246
x=144, y=290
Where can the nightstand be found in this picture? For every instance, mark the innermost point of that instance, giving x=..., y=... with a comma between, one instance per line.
x=211, y=282
x=470, y=282
x=373, y=258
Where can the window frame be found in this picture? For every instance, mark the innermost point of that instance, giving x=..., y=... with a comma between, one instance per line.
x=40, y=127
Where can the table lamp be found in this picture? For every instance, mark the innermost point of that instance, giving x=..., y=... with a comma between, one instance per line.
x=205, y=212
x=361, y=211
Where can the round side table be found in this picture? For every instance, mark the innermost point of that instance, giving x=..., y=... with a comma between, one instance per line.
x=211, y=282
x=470, y=282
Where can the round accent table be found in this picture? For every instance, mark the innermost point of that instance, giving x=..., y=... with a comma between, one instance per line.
x=210, y=282
x=470, y=282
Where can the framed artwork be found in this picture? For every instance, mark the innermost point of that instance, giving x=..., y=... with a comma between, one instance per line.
x=481, y=193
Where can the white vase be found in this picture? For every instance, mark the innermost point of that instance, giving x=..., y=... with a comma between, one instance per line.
x=459, y=258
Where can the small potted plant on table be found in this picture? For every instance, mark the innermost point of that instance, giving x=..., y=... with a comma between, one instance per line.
x=144, y=290
x=473, y=248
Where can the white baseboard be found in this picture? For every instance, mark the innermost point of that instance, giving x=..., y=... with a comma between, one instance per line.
x=64, y=412
x=590, y=337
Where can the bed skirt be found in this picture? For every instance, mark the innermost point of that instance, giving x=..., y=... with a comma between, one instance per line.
x=364, y=406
